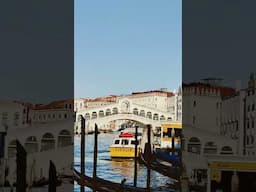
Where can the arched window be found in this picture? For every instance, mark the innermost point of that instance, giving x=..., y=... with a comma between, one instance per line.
x=162, y=118
x=226, y=150
x=135, y=111
x=47, y=142
x=94, y=115
x=142, y=113
x=108, y=112
x=101, y=113
x=87, y=116
x=64, y=139
x=194, y=145
x=149, y=115
x=169, y=119
x=31, y=144
x=155, y=117
x=115, y=110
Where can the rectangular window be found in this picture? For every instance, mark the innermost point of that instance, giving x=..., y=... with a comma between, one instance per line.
x=4, y=118
x=16, y=118
x=125, y=142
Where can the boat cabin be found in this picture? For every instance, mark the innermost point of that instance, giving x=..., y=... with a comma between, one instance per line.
x=122, y=142
x=171, y=131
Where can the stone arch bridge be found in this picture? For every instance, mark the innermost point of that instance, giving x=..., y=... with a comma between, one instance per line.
x=122, y=110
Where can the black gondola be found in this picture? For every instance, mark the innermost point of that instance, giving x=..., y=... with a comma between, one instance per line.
x=169, y=171
x=100, y=184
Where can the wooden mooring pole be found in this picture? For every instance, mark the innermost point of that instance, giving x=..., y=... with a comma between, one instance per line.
x=82, y=155
x=95, y=153
x=52, y=178
x=21, y=160
x=149, y=159
x=135, y=157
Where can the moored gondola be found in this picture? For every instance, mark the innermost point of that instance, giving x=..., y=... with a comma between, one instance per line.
x=100, y=184
x=156, y=165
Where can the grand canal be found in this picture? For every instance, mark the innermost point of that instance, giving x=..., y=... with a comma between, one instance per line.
x=114, y=170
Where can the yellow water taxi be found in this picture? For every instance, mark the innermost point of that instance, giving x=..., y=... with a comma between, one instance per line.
x=169, y=131
x=170, y=134
x=124, y=146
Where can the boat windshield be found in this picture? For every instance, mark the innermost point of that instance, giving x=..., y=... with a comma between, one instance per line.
x=117, y=141
x=125, y=142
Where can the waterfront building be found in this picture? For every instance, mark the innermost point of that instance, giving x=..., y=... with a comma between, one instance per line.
x=218, y=126
x=44, y=139
x=51, y=112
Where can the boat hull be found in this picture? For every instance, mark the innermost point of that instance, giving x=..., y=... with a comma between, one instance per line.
x=163, y=154
x=122, y=152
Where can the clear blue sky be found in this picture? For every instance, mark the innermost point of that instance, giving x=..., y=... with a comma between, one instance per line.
x=122, y=46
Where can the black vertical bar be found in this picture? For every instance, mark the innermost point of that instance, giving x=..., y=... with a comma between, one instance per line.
x=21, y=160
x=173, y=136
x=2, y=144
x=180, y=161
x=135, y=157
x=149, y=159
x=95, y=152
x=52, y=178
x=82, y=149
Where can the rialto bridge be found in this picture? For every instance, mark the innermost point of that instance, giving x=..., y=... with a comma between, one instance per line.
x=124, y=109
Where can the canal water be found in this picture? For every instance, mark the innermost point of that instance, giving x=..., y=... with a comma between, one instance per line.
x=114, y=170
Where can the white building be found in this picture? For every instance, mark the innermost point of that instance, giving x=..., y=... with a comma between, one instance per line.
x=238, y=118
x=44, y=139
x=218, y=123
x=13, y=114
x=51, y=112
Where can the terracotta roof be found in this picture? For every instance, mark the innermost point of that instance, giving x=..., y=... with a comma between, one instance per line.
x=224, y=91
x=53, y=105
x=110, y=98
x=169, y=94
